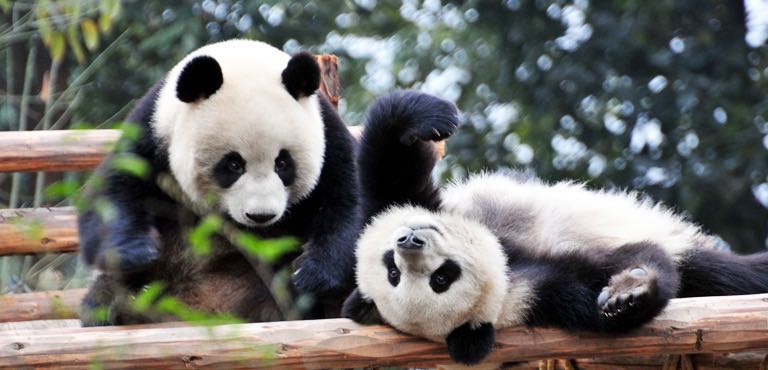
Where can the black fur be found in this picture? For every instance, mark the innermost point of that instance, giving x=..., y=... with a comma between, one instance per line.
x=360, y=309
x=469, y=345
x=393, y=273
x=228, y=169
x=396, y=156
x=711, y=272
x=145, y=240
x=567, y=287
x=285, y=167
x=302, y=75
x=444, y=276
x=199, y=79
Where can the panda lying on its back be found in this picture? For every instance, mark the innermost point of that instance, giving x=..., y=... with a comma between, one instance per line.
x=504, y=249
x=238, y=122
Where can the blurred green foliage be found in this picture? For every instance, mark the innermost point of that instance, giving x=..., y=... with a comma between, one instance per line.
x=664, y=97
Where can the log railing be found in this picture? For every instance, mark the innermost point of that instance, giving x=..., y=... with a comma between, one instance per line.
x=712, y=325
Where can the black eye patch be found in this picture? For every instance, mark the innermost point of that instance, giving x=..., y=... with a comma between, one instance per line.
x=444, y=276
x=285, y=168
x=393, y=273
x=228, y=169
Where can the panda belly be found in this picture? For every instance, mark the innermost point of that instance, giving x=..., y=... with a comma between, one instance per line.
x=565, y=217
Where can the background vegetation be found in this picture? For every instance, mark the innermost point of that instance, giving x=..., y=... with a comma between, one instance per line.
x=666, y=97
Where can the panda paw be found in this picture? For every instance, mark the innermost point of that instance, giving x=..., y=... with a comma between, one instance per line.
x=317, y=275
x=129, y=255
x=628, y=294
x=430, y=118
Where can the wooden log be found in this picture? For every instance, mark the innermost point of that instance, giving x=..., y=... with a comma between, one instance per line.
x=692, y=325
x=38, y=230
x=56, y=150
x=50, y=305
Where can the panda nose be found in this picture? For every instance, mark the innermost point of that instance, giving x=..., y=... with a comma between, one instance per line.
x=260, y=217
x=410, y=242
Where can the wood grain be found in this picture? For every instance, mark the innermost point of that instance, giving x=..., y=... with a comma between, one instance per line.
x=56, y=150
x=50, y=305
x=38, y=230
x=692, y=325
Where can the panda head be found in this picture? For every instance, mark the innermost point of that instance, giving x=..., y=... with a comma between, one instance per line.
x=429, y=274
x=243, y=126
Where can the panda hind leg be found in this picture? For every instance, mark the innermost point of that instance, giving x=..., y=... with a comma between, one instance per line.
x=643, y=280
x=717, y=273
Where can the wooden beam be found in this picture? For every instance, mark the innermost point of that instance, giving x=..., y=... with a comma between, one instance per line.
x=55, y=150
x=50, y=305
x=38, y=230
x=692, y=325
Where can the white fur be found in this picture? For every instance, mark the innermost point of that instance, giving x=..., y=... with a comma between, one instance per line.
x=412, y=306
x=566, y=216
x=252, y=113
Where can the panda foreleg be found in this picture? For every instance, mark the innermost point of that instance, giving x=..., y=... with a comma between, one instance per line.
x=714, y=273
x=396, y=155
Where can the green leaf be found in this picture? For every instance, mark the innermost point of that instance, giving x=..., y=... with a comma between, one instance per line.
x=57, y=45
x=200, y=236
x=267, y=250
x=149, y=294
x=5, y=5
x=62, y=189
x=130, y=131
x=44, y=23
x=105, y=22
x=131, y=164
x=90, y=34
x=74, y=43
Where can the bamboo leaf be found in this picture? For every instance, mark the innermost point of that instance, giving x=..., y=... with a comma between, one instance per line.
x=5, y=5
x=90, y=34
x=57, y=45
x=74, y=44
x=44, y=23
x=105, y=22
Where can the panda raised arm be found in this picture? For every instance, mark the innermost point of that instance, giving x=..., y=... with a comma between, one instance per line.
x=240, y=127
x=505, y=249
x=396, y=154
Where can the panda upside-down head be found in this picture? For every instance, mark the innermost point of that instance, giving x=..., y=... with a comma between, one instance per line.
x=434, y=275
x=243, y=125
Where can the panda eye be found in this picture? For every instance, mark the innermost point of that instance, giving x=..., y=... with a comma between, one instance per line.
x=393, y=274
x=280, y=164
x=235, y=166
x=440, y=279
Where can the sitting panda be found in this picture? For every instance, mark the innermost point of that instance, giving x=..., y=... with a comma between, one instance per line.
x=240, y=128
x=504, y=249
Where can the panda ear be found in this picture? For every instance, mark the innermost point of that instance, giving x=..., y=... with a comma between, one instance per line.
x=199, y=79
x=360, y=309
x=471, y=343
x=302, y=75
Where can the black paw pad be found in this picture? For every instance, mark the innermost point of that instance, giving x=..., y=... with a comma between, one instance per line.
x=430, y=118
x=627, y=293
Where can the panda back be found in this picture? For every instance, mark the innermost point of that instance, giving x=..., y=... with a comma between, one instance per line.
x=563, y=217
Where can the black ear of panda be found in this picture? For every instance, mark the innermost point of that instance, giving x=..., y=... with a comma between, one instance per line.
x=360, y=309
x=302, y=75
x=199, y=79
x=469, y=344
